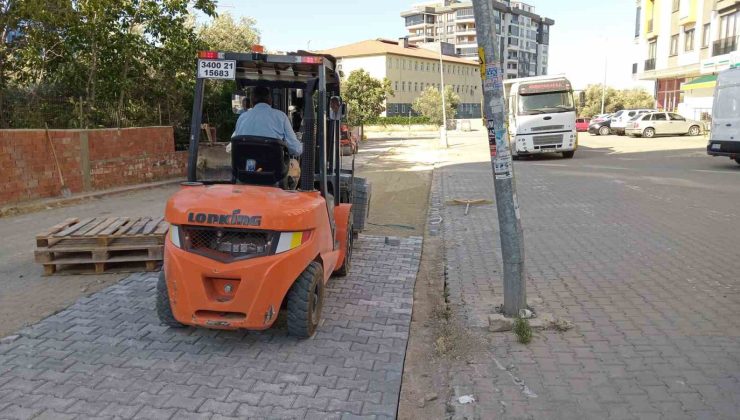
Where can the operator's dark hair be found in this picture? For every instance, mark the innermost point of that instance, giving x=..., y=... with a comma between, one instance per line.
x=261, y=94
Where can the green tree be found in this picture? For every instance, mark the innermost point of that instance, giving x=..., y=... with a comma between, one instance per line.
x=226, y=34
x=615, y=100
x=429, y=104
x=365, y=97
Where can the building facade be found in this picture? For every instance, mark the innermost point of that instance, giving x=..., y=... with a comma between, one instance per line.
x=524, y=36
x=411, y=69
x=681, y=45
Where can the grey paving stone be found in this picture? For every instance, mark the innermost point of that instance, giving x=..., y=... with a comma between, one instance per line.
x=108, y=356
x=633, y=262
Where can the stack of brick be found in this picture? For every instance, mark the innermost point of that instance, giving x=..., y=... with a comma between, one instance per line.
x=89, y=159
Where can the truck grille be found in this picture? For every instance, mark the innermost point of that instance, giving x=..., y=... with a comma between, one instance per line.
x=548, y=128
x=545, y=140
x=227, y=245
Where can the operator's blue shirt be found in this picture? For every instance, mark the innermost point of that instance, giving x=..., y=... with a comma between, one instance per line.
x=265, y=121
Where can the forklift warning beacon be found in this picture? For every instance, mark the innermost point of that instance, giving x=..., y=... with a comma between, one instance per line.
x=241, y=249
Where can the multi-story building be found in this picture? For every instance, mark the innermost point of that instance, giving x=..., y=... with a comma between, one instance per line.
x=524, y=35
x=682, y=45
x=411, y=69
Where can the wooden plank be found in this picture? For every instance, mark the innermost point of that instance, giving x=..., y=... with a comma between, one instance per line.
x=100, y=227
x=56, y=228
x=74, y=228
x=162, y=228
x=94, y=224
x=126, y=227
x=49, y=269
x=88, y=269
x=114, y=259
x=92, y=245
x=136, y=228
x=149, y=228
x=114, y=226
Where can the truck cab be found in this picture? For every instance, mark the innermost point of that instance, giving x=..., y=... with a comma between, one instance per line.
x=725, y=134
x=542, y=116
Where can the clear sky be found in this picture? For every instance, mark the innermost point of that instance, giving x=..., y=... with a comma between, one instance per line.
x=584, y=31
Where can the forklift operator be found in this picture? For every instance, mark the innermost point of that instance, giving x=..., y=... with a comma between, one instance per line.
x=265, y=121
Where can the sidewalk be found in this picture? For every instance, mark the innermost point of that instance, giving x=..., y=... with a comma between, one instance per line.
x=656, y=332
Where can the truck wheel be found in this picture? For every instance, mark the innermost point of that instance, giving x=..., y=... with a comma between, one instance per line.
x=649, y=133
x=361, y=196
x=164, y=308
x=515, y=157
x=305, y=301
x=604, y=131
x=569, y=155
x=347, y=263
x=694, y=130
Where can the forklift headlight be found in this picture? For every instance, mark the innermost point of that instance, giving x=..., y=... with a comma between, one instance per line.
x=175, y=236
x=292, y=240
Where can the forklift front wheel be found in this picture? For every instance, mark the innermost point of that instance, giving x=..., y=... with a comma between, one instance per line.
x=305, y=301
x=164, y=308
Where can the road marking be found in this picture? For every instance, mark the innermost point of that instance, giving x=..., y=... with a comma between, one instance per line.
x=717, y=172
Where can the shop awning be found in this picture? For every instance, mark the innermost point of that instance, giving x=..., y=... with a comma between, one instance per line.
x=707, y=81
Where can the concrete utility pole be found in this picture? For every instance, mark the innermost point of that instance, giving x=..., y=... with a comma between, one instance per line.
x=603, y=87
x=444, y=101
x=510, y=227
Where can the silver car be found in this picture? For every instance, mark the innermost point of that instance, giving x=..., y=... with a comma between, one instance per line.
x=662, y=123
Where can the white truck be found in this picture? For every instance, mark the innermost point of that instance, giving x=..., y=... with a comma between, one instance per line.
x=542, y=116
x=724, y=139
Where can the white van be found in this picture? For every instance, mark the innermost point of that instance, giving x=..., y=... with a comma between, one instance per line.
x=621, y=118
x=725, y=135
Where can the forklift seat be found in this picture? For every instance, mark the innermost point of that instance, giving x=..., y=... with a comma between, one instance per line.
x=271, y=160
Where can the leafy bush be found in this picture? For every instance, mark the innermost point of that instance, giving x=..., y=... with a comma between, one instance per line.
x=399, y=120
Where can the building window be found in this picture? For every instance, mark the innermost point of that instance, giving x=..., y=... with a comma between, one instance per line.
x=403, y=86
x=689, y=40
x=676, y=5
x=705, y=36
x=674, y=45
x=396, y=86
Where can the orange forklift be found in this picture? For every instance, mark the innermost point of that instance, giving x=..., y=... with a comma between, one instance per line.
x=241, y=249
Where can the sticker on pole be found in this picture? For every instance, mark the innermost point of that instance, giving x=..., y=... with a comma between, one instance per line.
x=493, y=78
x=217, y=69
x=502, y=167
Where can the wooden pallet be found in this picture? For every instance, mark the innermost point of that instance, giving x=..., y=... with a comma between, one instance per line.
x=102, y=245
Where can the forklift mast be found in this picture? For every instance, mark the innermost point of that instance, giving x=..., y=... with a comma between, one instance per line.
x=315, y=74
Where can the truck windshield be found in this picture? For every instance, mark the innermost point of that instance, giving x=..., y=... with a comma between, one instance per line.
x=728, y=102
x=544, y=103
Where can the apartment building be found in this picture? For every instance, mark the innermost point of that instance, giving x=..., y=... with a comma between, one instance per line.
x=682, y=45
x=411, y=69
x=524, y=36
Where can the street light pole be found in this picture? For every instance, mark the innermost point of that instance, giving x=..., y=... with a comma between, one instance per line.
x=510, y=227
x=444, y=100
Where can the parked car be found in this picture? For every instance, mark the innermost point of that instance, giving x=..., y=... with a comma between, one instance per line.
x=601, y=128
x=621, y=118
x=662, y=123
x=600, y=118
x=582, y=124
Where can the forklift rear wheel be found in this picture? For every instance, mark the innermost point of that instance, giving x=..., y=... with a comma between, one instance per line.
x=361, y=196
x=347, y=264
x=305, y=301
x=164, y=308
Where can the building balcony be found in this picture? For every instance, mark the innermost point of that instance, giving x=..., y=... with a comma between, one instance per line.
x=649, y=64
x=463, y=19
x=724, y=46
x=465, y=32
